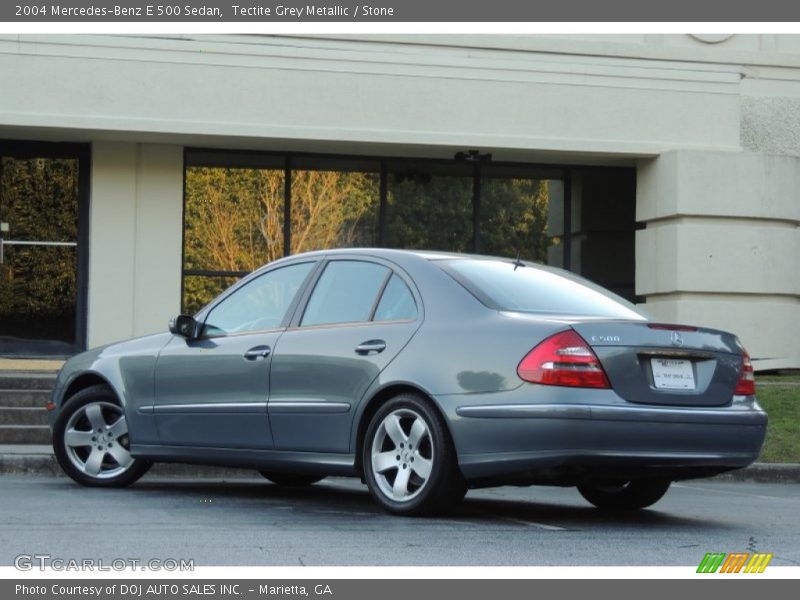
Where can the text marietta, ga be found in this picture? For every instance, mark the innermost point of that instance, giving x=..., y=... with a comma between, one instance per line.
x=311, y=10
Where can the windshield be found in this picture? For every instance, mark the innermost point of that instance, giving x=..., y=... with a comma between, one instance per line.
x=523, y=287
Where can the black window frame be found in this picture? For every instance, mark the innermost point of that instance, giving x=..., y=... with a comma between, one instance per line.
x=82, y=152
x=482, y=169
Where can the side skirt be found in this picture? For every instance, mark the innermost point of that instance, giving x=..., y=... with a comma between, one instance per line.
x=316, y=463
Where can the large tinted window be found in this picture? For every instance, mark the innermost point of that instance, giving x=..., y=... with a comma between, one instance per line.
x=345, y=293
x=261, y=304
x=505, y=286
x=429, y=205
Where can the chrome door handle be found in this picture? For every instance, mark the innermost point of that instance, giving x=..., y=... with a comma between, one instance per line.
x=257, y=352
x=371, y=347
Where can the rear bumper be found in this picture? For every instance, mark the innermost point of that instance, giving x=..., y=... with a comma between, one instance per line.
x=569, y=441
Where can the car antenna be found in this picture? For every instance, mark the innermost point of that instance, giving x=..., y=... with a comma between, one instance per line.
x=517, y=261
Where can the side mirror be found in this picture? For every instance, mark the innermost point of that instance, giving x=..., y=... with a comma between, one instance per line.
x=184, y=325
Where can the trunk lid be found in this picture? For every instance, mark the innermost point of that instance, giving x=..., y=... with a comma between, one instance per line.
x=653, y=363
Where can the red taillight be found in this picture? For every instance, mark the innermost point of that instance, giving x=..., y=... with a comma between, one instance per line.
x=746, y=386
x=563, y=359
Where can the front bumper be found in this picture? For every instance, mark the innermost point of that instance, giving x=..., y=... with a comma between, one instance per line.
x=507, y=438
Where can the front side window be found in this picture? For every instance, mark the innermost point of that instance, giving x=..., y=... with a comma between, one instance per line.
x=261, y=304
x=345, y=293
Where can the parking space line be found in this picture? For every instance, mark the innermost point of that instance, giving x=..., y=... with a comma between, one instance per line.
x=535, y=524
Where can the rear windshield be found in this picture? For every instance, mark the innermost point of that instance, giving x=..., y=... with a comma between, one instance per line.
x=527, y=288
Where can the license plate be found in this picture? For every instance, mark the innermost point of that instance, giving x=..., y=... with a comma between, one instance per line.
x=672, y=374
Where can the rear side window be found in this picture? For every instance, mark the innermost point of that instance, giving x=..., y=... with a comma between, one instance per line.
x=500, y=285
x=345, y=293
x=397, y=302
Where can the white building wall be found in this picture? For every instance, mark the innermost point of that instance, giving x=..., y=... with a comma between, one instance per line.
x=713, y=128
x=422, y=95
x=136, y=220
x=722, y=247
x=112, y=243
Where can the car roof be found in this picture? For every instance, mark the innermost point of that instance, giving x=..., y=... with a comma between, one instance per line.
x=396, y=253
x=402, y=257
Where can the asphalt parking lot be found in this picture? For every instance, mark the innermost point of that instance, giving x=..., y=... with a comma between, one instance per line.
x=252, y=522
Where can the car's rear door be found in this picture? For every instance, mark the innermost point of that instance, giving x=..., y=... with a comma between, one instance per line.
x=356, y=319
x=212, y=391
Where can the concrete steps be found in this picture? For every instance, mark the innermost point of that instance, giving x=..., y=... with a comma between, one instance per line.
x=25, y=434
x=23, y=416
x=27, y=380
x=24, y=398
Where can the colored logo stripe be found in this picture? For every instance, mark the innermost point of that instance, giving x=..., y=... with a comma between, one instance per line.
x=734, y=562
x=711, y=562
x=758, y=563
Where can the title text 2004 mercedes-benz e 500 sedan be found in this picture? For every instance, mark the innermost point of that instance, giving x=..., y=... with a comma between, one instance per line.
x=422, y=373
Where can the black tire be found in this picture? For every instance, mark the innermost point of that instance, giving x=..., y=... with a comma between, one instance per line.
x=624, y=495
x=291, y=479
x=78, y=460
x=444, y=485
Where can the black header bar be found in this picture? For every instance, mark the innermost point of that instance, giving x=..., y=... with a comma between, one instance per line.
x=398, y=11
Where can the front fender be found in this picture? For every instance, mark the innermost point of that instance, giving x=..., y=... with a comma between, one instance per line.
x=128, y=368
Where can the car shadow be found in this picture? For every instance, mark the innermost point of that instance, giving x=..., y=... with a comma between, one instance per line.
x=535, y=513
x=348, y=497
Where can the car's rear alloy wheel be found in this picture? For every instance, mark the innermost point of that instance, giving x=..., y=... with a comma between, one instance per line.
x=291, y=479
x=91, y=442
x=624, y=495
x=409, y=461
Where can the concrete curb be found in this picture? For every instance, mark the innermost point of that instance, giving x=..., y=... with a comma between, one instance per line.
x=765, y=473
x=44, y=463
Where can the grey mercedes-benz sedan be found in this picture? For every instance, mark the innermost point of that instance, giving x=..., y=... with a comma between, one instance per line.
x=423, y=373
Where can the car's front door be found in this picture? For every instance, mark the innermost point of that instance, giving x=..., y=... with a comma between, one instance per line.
x=358, y=317
x=212, y=391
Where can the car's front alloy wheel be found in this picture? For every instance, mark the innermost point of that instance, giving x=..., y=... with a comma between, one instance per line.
x=408, y=458
x=91, y=442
